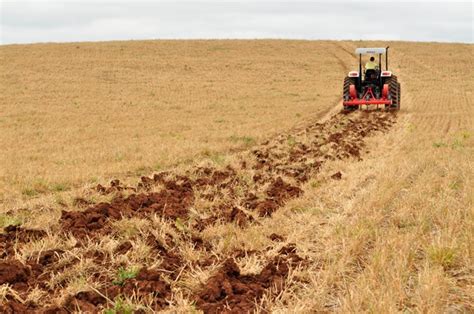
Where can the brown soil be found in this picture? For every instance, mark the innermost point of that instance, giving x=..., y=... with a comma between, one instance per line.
x=123, y=248
x=337, y=176
x=281, y=191
x=171, y=261
x=14, y=273
x=15, y=234
x=230, y=292
x=148, y=283
x=171, y=202
x=276, y=237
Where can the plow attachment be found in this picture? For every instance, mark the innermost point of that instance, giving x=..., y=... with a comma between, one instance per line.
x=368, y=98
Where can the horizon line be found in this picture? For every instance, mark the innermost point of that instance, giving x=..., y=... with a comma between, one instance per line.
x=230, y=39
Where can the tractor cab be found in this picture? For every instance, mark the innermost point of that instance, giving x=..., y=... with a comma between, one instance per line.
x=374, y=86
x=372, y=75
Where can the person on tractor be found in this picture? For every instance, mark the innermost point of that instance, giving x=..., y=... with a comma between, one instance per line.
x=371, y=65
x=371, y=70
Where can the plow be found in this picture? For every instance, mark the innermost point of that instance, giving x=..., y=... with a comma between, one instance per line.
x=373, y=86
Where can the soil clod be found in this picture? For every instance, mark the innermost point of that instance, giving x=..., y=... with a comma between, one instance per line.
x=337, y=176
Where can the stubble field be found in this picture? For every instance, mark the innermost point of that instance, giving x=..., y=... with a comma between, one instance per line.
x=220, y=176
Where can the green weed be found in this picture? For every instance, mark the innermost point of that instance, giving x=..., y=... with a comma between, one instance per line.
x=455, y=185
x=411, y=127
x=30, y=192
x=465, y=135
x=6, y=220
x=120, y=307
x=59, y=187
x=124, y=274
x=439, y=144
x=247, y=140
x=291, y=141
x=457, y=143
x=315, y=184
x=215, y=157
x=179, y=224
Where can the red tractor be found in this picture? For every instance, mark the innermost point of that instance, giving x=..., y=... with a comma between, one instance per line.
x=376, y=87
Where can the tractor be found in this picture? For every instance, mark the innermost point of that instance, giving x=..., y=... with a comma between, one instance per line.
x=374, y=86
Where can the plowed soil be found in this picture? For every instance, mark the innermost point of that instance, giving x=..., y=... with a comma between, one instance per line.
x=277, y=169
x=263, y=181
x=230, y=292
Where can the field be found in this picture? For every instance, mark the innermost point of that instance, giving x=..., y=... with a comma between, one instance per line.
x=78, y=113
x=221, y=175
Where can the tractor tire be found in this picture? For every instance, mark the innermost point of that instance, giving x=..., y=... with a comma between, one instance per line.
x=348, y=81
x=395, y=93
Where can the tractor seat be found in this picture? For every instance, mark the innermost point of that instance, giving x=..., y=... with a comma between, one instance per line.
x=370, y=75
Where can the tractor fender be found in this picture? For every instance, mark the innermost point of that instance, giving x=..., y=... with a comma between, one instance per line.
x=352, y=91
x=353, y=74
x=385, y=91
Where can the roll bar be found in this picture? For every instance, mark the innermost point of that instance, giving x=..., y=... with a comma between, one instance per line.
x=379, y=51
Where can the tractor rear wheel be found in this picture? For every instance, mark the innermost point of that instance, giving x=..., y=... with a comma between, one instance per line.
x=348, y=81
x=395, y=92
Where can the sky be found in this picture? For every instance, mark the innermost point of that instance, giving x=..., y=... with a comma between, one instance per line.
x=75, y=20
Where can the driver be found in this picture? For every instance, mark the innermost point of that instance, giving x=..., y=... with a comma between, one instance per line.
x=371, y=65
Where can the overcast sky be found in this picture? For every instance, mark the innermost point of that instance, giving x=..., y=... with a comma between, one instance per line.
x=66, y=21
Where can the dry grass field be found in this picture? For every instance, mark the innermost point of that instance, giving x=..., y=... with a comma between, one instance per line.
x=237, y=183
x=78, y=113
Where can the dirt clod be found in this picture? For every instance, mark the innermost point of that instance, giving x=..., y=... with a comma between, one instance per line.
x=281, y=191
x=86, y=301
x=13, y=272
x=276, y=237
x=147, y=283
x=228, y=291
x=123, y=248
x=171, y=202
